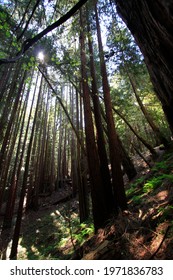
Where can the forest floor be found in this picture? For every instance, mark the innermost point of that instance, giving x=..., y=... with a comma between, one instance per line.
x=144, y=231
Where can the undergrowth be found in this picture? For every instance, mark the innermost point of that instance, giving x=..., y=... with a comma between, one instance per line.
x=59, y=233
x=54, y=236
x=161, y=171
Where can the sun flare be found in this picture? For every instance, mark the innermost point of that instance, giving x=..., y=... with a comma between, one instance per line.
x=41, y=56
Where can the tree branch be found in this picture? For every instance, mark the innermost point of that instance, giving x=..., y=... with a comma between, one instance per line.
x=30, y=42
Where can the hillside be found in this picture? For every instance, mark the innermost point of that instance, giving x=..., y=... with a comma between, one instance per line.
x=144, y=231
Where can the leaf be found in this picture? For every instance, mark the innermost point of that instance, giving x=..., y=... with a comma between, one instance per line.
x=7, y=33
x=3, y=16
x=6, y=26
x=14, y=44
x=32, y=59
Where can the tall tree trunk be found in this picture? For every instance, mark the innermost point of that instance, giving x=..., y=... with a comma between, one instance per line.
x=8, y=133
x=100, y=214
x=60, y=141
x=117, y=176
x=73, y=145
x=11, y=145
x=151, y=24
x=63, y=107
x=14, y=178
x=9, y=99
x=17, y=165
x=13, y=254
x=4, y=80
x=52, y=172
x=40, y=176
x=127, y=163
x=82, y=166
x=33, y=184
x=100, y=134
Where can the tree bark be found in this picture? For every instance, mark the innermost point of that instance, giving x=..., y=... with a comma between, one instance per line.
x=82, y=165
x=127, y=163
x=151, y=24
x=8, y=134
x=100, y=214
x=13, y=254
x=100, y=134
x=14, y=179
x=117, y=176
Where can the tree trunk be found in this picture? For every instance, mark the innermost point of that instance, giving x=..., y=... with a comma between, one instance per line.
x=8, y=133
x=151, y=24
x=12, y=94
x=17, y=165
x=16, y=234
x=127, y=163
x=52, y=167
x=117, y=176
x=100, y=134
x=73, y=145
x=4, y=80
x=14, y=178
x=82, y=166
x=100, y=214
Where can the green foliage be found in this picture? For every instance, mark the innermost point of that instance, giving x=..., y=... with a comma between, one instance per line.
x=50, y=235
x=166, y=212
x=135, y=192
x=162, y=171
x=162, y=165
x=138, y=181
x=29, y=64
x=137, y=199
x=152, y=184
x=156, y=181
x=85, y=230
x=3, y=17
x=131, y=190
x=135, y=186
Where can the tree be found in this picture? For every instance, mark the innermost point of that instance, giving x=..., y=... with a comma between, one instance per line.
x=129, y=64
x=15, y=173
x=117, y=176
x=13, y=253
x=143, y=141
x=28, y=21
x=155, y=16
x=100, y=213
x=30, y=42
x=98, y=120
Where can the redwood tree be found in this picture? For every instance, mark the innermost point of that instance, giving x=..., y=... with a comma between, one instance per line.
x=100, y=214
x=151, y=24
x=117, y=176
